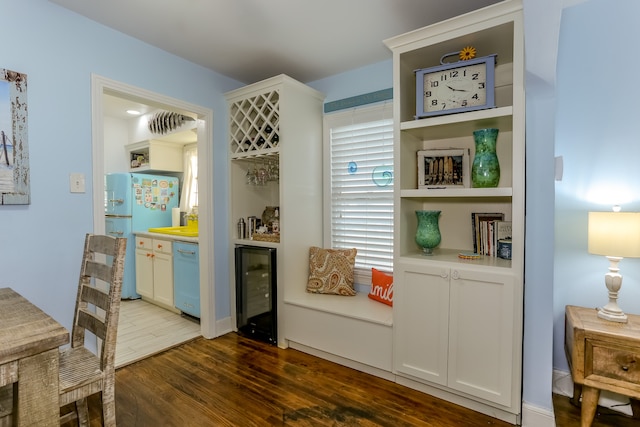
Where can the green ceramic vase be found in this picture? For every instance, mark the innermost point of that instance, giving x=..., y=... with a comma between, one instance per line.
x=428, y=231
x=485, y=171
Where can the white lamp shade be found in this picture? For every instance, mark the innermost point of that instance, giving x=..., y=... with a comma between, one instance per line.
x=614, y=234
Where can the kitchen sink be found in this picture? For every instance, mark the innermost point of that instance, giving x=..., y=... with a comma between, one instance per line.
x=184, y=231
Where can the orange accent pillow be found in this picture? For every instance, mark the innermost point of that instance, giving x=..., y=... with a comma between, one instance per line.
x=381, y=287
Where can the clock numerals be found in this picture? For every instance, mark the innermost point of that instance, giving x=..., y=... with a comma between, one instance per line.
x=455, y=87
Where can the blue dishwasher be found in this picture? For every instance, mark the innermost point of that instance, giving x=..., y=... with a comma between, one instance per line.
x=186, y=278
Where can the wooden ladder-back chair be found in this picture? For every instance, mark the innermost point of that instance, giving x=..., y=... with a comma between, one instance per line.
x=82, y=373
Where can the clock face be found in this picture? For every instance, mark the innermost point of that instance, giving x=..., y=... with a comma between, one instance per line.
x=460, y=87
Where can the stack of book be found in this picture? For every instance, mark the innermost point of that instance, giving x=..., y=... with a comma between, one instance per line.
x=488, y=230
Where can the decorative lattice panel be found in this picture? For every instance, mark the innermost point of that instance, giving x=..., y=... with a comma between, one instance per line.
x=255, y=124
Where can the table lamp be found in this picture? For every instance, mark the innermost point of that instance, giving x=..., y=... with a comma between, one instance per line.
x=615, y=235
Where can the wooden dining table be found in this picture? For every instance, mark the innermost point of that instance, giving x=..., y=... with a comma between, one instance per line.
x=29, y=341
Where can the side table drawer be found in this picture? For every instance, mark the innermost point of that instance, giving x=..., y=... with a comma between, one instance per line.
x=613, y=361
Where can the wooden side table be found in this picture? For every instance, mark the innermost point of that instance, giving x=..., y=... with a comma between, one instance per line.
x=602, y=355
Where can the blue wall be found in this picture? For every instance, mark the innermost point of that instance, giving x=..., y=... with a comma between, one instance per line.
x=41, y=243
x=356, y=82
x=597, y=135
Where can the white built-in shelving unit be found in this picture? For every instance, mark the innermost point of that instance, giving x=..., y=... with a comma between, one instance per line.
x=277, y=124
x=458, y=322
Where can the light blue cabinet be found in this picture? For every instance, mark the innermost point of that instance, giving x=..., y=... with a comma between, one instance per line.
x=186, y=278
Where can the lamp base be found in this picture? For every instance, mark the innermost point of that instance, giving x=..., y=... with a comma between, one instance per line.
x=612, y=316
x=613, y=280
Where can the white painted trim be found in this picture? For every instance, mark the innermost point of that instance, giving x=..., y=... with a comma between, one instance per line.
x=223, y=326
x=381, y=373
x=100, y=85
x=532, y=416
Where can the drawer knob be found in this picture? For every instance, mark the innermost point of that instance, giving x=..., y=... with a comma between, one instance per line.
x=625, y=368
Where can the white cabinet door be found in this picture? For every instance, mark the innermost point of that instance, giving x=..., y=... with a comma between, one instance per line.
x=481, y=334
x=421, y=312
x=163, y=279
x=163, y=272
x=455, y=328
x=144, y=272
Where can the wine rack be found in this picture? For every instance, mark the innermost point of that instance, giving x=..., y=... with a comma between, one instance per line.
x=254, y=124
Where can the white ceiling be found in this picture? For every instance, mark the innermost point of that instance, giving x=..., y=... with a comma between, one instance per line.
x=250, y=40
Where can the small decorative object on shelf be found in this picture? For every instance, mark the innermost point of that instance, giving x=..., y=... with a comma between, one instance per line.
x=504, y=248
x=439, y=169
x=270, y=214
x=485, y=171
x=455, y=87
x=242, y=228
x=266, y=237
x=428, y=232
x=275, y=224
x=469, y=255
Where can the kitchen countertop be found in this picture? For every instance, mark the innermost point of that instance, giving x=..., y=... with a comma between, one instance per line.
x=166, y=236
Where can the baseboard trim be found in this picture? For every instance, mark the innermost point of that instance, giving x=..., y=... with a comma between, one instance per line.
x=223, y=326
x=533, y=416
x=343, y=361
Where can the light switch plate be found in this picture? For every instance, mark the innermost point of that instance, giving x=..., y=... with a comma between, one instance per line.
x=76, y=183
x=559, y=168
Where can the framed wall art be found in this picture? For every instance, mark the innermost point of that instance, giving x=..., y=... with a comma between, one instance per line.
x=14, y=147
x=447, y=168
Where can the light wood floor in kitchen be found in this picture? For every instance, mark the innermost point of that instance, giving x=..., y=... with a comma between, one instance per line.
x=145, y=329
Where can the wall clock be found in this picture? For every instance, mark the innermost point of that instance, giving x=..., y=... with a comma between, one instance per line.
x=456, y=87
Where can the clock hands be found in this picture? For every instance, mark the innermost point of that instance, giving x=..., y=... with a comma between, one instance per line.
x=457, y=90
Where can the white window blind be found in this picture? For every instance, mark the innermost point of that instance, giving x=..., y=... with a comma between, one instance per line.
x=361, y=185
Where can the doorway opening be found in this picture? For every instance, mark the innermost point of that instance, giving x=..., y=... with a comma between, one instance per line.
x=106, y=91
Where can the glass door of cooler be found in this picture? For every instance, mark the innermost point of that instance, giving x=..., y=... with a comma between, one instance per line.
x=256, y=292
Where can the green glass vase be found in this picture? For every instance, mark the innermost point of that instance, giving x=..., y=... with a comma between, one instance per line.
x=428, y=231
x=485, y=171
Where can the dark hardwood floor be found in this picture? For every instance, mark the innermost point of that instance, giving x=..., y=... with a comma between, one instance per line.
x=235, y=381
x=568, y=415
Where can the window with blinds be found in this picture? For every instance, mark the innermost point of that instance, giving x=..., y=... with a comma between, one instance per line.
x=359, y=201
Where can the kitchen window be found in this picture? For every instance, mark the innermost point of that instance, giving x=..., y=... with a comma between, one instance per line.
x=358, y=199
x=189, y=197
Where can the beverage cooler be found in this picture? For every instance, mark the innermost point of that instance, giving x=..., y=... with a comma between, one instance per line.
x=256, y=292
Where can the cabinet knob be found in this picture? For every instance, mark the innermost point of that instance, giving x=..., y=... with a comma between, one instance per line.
x=455, y=275
x=625, y=368
x=444, y=274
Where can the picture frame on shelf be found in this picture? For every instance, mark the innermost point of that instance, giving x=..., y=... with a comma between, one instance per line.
x=443, y=168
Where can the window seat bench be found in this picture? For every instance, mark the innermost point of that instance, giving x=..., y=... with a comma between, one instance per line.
x=355, y=331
